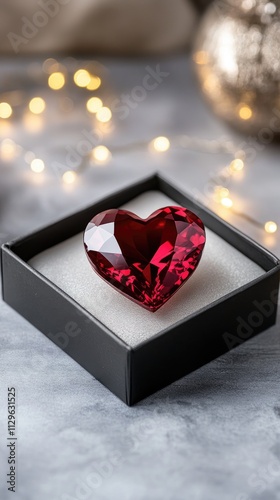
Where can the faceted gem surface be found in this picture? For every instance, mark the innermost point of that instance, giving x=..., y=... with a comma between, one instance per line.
x=147, y=260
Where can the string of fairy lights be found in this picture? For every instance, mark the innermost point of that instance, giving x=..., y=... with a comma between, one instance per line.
x=56, y=75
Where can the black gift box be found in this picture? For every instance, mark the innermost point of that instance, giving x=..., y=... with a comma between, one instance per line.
x=132, y=373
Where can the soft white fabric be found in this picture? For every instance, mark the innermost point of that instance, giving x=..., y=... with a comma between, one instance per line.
x=222, y=269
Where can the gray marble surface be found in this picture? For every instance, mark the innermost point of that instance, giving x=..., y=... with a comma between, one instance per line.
x=213, y=435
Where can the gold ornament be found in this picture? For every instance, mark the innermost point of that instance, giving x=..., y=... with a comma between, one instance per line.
x=237, y=59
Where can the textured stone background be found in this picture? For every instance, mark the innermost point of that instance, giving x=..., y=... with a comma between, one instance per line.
x=213, y=435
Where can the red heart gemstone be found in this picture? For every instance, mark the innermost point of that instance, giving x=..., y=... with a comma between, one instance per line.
x=145, y=259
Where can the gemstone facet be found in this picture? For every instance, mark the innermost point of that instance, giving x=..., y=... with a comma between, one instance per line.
x=147, y=260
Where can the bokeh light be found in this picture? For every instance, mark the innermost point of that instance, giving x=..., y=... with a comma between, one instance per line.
x=94, y=83
x=8, y=149
x=69, y=177
x=101, y=154
x=104, y=114
x=226, y=202
x=56, y=80
x=37, y=165
x=245, y=112
x=37, y=105
x=236, y=165
x=161, y=144
x=220, y=192
x=270, y=227
x=94, y=104
x=82, y=78
x=5, y=110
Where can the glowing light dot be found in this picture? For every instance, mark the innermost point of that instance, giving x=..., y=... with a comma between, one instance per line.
x=94, y=104
x=94, y=83
x=8, y=149
x=161, y=144
x=226, y=202
x=245, y=112
x=220, y=192
x=270, y=227
x=248, y=4
x=37, y=165
x=82, y=78
x=69, y=177
x=56, y=80
x=37, y=105
x=101, y=154
x=270, y=8
x=236, y=165
x=104, y=114
x=5, y=110
x=210, y=83
x=200, y=57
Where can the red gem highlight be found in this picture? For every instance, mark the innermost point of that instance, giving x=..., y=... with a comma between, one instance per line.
x=147, y=260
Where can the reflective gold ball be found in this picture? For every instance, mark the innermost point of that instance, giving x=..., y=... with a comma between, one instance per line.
x=237, y=60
